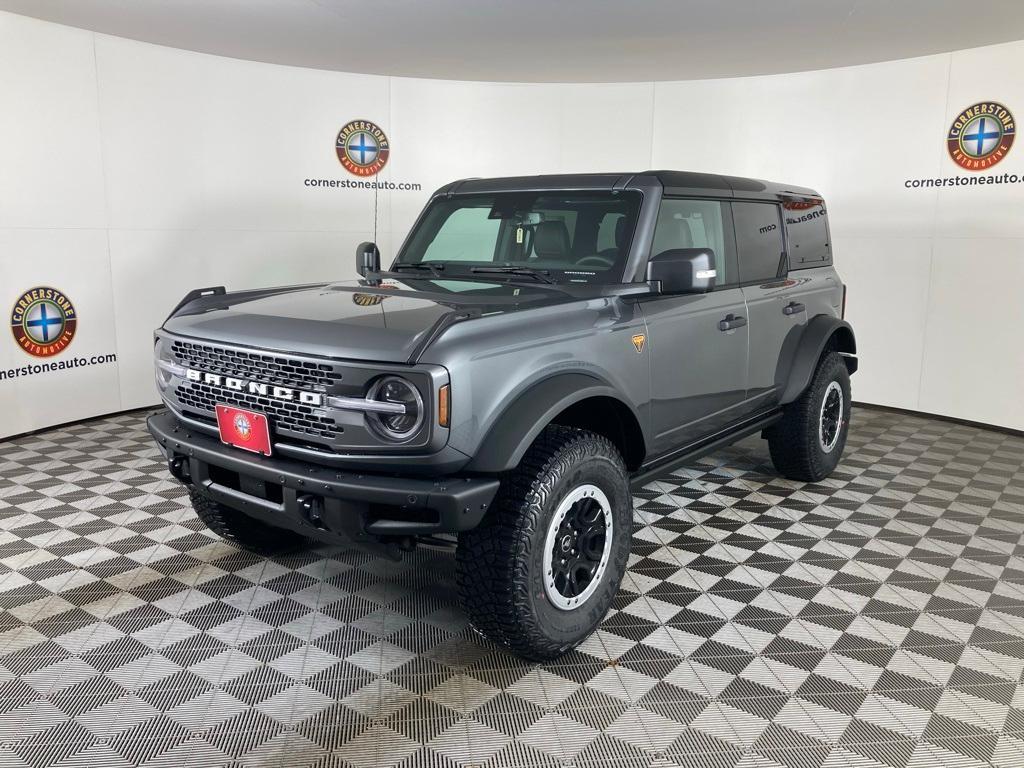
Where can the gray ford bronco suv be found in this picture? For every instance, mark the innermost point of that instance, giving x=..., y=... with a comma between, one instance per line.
x=537, y=346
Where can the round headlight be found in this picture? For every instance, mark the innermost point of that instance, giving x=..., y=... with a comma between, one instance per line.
x=397, y=423
x=164, y=364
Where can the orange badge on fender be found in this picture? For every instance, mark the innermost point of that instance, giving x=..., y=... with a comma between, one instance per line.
x=638, y=341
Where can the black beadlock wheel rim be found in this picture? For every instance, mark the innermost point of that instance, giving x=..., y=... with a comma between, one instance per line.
x=577, y=547
x=830, y=423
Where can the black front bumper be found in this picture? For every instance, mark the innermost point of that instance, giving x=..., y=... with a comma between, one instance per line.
x=321, y=502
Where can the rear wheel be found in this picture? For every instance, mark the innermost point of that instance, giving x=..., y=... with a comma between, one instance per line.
x=540, y=572
x=809, y=440
x=242, y=530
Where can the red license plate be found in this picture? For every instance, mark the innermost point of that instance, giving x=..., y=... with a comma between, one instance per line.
x=244, y=429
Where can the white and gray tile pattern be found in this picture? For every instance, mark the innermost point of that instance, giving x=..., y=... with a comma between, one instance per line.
x=873, y=620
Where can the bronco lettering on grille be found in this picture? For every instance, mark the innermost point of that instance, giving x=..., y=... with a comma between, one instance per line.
x=255, y=387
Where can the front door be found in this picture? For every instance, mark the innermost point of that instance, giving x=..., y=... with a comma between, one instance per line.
x=698, y=365
x=698, y=342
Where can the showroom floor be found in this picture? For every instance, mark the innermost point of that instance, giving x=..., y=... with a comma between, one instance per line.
x=876, y=619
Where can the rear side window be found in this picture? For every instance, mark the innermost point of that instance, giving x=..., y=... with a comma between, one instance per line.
x=759, y=241
x=808, y=233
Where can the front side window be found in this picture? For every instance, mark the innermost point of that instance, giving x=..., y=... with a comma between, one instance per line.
x=563, y=236
x=685, y=223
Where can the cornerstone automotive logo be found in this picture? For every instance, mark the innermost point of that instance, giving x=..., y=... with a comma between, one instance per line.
x=362, y=147
x=363, y=150
x=979, y=138
x=43, y=321
x=243, y=428
x=981, y=135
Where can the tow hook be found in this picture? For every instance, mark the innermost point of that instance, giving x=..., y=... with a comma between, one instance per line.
x=179, y=468
x=312, y=509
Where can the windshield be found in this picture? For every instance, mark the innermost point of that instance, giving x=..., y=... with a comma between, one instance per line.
x=580, y=237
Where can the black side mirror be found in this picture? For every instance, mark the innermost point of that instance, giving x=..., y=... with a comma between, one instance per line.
x=367, y=258
x=683, y=270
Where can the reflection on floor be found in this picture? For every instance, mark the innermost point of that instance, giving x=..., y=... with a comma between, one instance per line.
x=876, y=619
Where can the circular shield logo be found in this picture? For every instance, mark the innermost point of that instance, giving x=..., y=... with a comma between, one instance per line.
x=362, y=147
x=43, y=321
x=981, y=136
x=243, y=429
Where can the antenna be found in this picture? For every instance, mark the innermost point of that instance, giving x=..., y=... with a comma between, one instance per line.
x=376, y=191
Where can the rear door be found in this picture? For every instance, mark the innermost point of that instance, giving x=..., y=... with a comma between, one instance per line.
x=775, y=312
x=698, y=369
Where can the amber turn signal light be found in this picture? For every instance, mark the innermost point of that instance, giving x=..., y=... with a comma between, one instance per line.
x=444, y=405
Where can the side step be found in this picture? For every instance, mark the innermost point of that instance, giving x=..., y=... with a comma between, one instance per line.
x=667, y=463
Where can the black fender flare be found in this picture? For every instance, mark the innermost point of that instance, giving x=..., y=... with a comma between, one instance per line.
x=523, y=419
x=816, y=336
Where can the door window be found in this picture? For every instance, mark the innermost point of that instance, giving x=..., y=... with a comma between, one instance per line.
x=759, y=241
x=693, y=224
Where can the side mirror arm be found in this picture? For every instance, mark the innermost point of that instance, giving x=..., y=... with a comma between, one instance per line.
x=367, y=258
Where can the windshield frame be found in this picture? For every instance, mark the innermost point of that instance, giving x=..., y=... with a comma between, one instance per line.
x=630, y=201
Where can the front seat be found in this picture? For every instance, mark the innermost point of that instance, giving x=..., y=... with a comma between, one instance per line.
x=620, y=241
x=551, y=240
x=685, y=237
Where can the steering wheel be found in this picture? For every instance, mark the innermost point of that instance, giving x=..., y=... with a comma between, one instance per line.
x=595, y=261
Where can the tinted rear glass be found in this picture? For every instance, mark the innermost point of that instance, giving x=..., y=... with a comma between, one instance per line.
x=808, y=233
x=758, y=241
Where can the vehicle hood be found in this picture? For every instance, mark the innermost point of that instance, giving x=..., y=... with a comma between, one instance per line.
x=390, y=321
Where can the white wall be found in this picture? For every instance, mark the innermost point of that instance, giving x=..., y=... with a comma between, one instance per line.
x=130, y=173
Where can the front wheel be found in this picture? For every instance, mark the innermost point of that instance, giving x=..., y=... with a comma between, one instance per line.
x=540, y=572
x=809, y=440
x=241, y=530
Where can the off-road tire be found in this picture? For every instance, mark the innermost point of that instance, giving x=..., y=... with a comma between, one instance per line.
x=241, y=530
x=794, y=442
x=500, y=567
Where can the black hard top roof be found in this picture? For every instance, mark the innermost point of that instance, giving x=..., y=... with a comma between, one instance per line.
x=673, y=182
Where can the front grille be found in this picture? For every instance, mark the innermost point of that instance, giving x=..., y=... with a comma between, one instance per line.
x=265, y=367
x=283, y=415
x=292, y=418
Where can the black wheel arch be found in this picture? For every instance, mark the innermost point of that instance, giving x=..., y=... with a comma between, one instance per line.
x=570, y=399
x=824, y=333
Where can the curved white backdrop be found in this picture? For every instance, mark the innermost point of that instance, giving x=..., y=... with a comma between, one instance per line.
x=131, y=173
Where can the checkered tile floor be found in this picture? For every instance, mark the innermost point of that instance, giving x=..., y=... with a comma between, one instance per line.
x=875, y=619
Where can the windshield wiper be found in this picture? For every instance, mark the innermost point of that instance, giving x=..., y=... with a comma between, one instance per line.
x=435, y=269
x=539, y=274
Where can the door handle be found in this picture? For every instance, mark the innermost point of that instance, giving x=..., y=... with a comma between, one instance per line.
x=793, y=308
x=731, y=321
